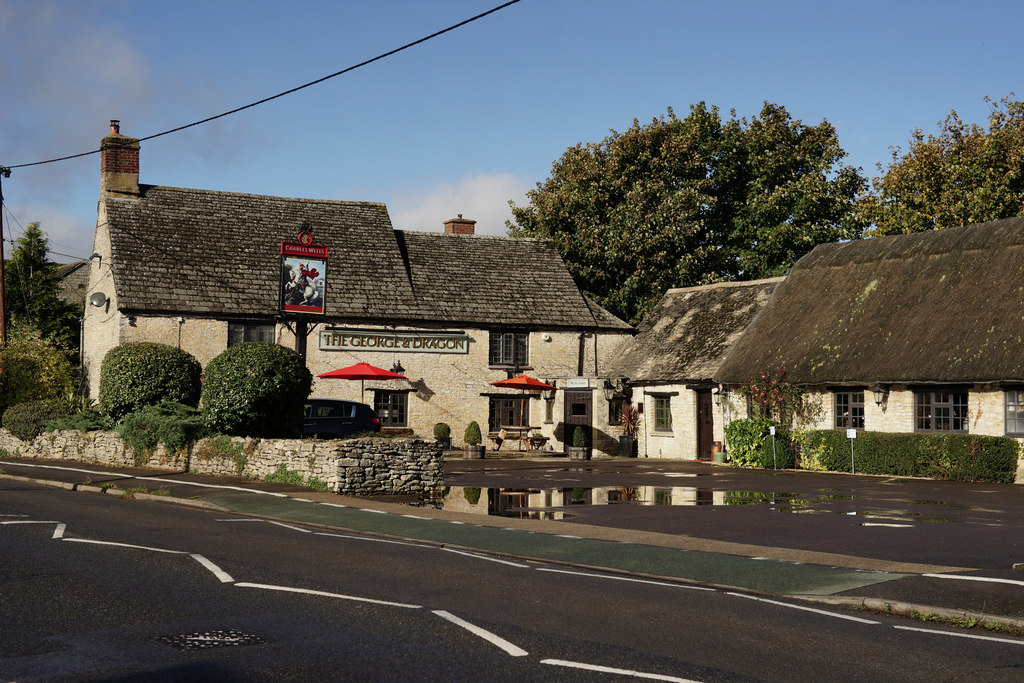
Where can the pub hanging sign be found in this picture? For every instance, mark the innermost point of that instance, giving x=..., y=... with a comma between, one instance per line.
x=303, y=275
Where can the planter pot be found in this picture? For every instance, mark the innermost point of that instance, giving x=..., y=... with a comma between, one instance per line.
x=446, y=443
x=717, y=452
x=473, y=451
x=578, y=453
x=720, y=457
x=625, y=447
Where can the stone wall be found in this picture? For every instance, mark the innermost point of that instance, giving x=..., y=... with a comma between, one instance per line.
x=351, y=466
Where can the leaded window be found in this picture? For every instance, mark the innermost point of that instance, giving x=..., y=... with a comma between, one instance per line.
x=507, y=412
x=663, y=413
x=239, y=332
x=392, y=407
x=510, y=348
x=1015, y=412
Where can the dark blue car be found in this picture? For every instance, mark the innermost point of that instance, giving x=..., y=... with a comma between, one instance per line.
x=329, y=418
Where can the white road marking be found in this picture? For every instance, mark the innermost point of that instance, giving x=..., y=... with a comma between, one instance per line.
x=339, y=596
x=378, y=512
x=217, y=571
x=805, y=609
x=896, y=526
x=124, y=545
x=13, y=515
x=58, y=531
x=497, y=641
x=985, y=579
x=484, y=557
x=611, y=670
x=959, y=635
x=334, y=505
x=31, y=521
x=289, y=526
x=626, y=578
x=372, y=540
x=414, y=517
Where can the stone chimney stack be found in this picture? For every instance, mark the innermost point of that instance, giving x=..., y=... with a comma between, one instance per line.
x=459, y=226
x=119, y=164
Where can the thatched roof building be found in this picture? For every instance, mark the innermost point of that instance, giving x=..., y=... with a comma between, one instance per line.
x=688, y=333
x=935, y=307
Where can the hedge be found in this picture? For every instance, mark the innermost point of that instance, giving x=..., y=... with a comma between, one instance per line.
x=140, y=374
x=960, y=457
x=751, y=444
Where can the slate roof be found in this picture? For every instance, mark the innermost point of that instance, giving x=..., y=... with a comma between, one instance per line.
x=217, y=253
x=944, y=306
x=688, y=333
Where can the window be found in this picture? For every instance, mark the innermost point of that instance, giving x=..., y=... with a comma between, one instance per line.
x=940, y=411
x=510, y=348
x=849, y=409
x=507, y=412
x=1015, y=411
x=615, y=411
x=392, y=407
x=250, y=332
x=549, y=410
x=663, y=413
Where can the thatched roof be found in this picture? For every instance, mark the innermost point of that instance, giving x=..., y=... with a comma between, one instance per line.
x=687, y=334
x=217, y=254
x=943, y=306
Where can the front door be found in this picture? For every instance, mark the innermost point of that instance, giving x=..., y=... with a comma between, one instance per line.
x=705, y=424
x=579, y=412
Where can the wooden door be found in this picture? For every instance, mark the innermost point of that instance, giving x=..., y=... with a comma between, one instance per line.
x=705, y=424
x=579, y=411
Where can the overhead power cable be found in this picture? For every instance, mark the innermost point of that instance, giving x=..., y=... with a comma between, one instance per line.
x=290, y=91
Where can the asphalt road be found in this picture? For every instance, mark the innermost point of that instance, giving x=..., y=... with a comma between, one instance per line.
x=94, y=587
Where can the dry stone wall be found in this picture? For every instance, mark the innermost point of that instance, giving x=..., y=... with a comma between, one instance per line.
x=350, y=466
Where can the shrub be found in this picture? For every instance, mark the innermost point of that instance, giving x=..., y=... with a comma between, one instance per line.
x=33, y=369
x=472, y=435
x=87, y=419
x=442, y=431
x=579, y=438
x=139, y=374
x=961, y=457
x=27, y=420
x=751, y=444
x=175, y=425
x=256, y=389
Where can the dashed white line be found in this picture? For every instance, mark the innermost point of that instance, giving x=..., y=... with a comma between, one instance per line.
x=986, y=579
x=338, y=596
x=959, y=635
x=289, y=526
x=805, y=609
x=497, y=641
x=612, y=670
x=484, y=557
x=217, y=571
x=372, y=540
x=31, y=521
x=626, y=578
x=58, y=531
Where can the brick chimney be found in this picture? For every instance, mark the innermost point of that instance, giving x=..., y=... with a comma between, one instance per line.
x=459, y=226
x=119, y=163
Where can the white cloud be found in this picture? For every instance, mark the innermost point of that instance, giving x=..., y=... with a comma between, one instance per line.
x=483, y=198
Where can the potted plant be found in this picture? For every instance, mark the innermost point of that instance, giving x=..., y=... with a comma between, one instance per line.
x=629, y=422
x=579, y=449
x=472, y=446
x=443, y=434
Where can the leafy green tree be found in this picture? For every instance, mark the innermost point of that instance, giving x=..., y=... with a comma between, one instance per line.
x=682, y=202
x=965, y=174
x=31, y=288
x=34, y=369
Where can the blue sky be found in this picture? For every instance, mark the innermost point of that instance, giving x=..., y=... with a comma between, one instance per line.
x=464, y=122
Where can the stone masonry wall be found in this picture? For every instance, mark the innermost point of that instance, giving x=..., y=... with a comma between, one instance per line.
x=352, y=466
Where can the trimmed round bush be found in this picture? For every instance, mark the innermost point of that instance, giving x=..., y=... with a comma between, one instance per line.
x=140, y=374
x=26, y=420
x=256, y=389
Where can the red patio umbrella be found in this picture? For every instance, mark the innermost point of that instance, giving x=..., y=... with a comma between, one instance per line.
x=362, y=372
x=524, y=383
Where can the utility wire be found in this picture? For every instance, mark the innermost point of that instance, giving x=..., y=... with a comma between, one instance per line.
x=292, y=90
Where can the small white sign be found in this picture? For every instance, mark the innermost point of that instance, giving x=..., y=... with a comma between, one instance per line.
x=771, y=430
x=577, y=383
x=851, y=433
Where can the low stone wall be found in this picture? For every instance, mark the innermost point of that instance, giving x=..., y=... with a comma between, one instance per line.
x=350, y=466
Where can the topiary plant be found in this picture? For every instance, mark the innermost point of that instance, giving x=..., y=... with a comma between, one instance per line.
x=442, y=431
x=472, y=435
x=139, y=374
x=256, y=389
x=579, y=438
x=26, y=420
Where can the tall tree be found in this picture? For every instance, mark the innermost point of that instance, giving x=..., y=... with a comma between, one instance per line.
x=31, y=290
x=965, y=174
x=682, y=202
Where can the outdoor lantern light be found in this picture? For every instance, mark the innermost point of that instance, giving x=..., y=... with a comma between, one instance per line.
x=609, y=390
x=548, y=394
x=881, y=393
x=397, y=368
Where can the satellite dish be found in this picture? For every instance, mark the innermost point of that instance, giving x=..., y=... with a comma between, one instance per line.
x=99, y=299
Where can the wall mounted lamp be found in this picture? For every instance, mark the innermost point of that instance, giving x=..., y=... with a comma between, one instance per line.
x=881, y=392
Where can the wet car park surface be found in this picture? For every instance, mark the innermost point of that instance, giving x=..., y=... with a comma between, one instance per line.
x=971, y=525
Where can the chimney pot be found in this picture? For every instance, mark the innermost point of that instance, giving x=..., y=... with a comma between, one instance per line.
x=115, y=127
x=119, y=163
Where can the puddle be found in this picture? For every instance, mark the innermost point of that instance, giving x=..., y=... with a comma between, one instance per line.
x=557, y=503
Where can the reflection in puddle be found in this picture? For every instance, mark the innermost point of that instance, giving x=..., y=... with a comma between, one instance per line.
x=557, y=503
